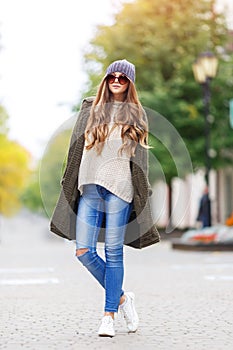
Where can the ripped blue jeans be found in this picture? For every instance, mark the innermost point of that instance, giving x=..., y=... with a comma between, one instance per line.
x=95, y=203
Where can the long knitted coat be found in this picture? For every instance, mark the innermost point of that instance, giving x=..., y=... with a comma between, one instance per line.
x=141, y=231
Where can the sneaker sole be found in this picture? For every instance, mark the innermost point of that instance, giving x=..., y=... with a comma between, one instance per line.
x=106, y=335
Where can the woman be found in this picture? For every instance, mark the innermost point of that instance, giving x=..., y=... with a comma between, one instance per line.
x=105, y=186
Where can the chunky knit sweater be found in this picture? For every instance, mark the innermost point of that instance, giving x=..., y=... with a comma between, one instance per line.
x=109, y=168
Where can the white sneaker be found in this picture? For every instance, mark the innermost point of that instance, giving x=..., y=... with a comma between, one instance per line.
x=129, y=312
x=107, y=327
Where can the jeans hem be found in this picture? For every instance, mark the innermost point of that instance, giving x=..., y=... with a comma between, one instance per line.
x=108, y=310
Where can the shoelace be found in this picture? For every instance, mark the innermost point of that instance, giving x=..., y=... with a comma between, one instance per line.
x=107, y=322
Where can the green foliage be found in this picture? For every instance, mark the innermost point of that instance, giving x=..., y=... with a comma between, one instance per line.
x=42, y=190
x=31, y=196
x=163, y=38
x=51, y=169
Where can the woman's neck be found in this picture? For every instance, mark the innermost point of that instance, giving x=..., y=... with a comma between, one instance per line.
x=118, y=98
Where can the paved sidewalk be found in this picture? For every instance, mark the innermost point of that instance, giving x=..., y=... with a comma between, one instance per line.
x=48, y=300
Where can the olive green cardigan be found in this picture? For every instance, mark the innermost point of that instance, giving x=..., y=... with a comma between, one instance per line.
x=141, y=231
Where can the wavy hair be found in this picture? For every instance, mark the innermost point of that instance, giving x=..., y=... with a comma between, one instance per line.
x=130, y=116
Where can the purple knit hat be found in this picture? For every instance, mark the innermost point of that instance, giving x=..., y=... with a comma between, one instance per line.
x=122, y=66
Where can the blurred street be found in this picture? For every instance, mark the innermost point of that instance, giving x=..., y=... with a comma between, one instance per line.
x=49, y=301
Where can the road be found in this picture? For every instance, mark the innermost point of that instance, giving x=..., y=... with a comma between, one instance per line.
x=49, y=301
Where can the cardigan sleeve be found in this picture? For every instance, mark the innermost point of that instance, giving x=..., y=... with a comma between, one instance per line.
x=145, y=159
x=146, y=169
x=140, y=165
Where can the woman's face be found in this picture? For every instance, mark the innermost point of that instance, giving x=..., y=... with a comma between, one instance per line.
x=118, y=84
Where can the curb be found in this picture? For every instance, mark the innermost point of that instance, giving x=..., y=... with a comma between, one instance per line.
x=198, y=246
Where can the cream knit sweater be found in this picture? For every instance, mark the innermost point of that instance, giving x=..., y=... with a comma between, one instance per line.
x=108, y=169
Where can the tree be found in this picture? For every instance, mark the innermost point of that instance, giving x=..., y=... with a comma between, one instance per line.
x=31, y=196
x=3, y=121
x=14, y=172
x=14, y=169
x=52, y=166
x=42, y=190
x=163, y=38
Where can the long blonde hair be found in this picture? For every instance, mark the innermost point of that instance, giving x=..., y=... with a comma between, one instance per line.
x=130, y=116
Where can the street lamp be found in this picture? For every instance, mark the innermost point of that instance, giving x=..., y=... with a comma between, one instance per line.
x=205, y=69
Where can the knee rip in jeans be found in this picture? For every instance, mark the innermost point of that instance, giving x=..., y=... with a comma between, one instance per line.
x=81, y=251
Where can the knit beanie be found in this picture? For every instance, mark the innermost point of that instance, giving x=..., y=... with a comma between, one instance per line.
x=122, y=66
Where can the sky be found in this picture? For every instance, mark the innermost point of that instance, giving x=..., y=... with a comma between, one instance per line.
x=41, y=62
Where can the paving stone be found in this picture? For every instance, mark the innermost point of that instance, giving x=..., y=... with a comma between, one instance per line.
x=184, y=299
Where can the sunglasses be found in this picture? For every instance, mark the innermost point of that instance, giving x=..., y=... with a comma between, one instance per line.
x=122, y=79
